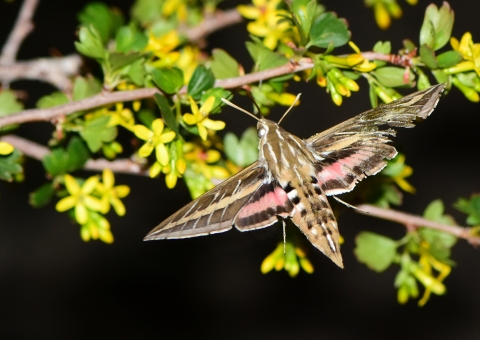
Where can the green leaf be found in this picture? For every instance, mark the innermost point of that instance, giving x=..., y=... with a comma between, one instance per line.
x=167, y=114
x=9, y=165
x=95, y=132
x=427, y=56
x=442, y=77
x=202, y=80
x=384, y=47
x=391, y=76
x=471, y=207
x=136, y=72
x=9, y=103
x=437, y=26
x=263, y=57
x=98, y=15
x=376, y=251
x=373, y=96
x=147, y=11
x=78, y=154
x=42, y=196
x=51, y=100
x=385, y=194
x=84, y=88
x=169, y=80
x=129, y=39
x=328, y=29
x=449, y=59
x=242, y=152
x=440, y=243
x=90, y=43
x=61, y=161
x=146, y=117
x=223, y=65
x=118, y=60
x=304, y=12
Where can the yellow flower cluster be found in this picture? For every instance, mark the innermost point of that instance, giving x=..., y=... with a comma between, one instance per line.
x=288, y=257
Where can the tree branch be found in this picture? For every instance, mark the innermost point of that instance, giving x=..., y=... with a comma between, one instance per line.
x=55, y=71
x=23, y=26
x=213, y=23
x=38, y=152
x=418, y=221
x=106, y=98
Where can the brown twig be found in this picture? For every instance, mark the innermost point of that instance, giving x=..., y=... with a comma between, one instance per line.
x=417, y=221
x=395, y=59
x=213, y=23
x=23, y=26
x=55, y=71
x=38, y=152
x=106, y=98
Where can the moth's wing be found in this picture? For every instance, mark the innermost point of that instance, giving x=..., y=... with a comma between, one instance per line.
x=357, y=147
x=261, y=211
x=214, y=211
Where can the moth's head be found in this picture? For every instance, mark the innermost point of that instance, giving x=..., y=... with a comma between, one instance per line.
x=264, y=127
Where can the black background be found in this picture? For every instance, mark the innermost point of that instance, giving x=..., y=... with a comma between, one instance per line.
x=55, y=286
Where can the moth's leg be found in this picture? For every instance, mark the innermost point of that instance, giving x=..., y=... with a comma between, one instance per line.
x=284, y=238
x=349, y=205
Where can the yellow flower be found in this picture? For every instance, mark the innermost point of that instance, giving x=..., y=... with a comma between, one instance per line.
x=266, y=17
x=97, y=227
x=291, y=260
x=155, y=139
x=121, y=116
x=80, y=198
x=177, y=7
x=110, y=194
x=200, y=118
x=188, y=61
x=6, y=148
x=163, y=48
x=469, y=51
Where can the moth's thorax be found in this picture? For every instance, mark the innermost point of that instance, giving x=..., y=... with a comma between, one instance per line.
x=285, y=154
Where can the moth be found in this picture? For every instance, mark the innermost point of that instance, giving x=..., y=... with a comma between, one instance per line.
x=293, y=177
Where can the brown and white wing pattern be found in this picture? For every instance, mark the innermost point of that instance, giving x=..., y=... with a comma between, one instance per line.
x=357, y=147
x=214, y=211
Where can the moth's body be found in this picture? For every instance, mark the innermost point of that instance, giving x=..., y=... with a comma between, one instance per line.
x=292, y=177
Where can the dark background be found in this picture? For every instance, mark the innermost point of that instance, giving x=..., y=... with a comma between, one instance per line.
x=55, y=286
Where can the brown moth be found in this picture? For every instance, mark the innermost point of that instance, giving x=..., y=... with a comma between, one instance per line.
x=293, y=177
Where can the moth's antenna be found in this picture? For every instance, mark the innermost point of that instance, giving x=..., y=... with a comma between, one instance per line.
x=255, y=103
x=284, y=238
x=290, y=108
x=239, y=108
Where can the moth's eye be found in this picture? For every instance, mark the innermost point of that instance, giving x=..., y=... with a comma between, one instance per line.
x=261, y=132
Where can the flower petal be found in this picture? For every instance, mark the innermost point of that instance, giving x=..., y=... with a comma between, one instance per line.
x=145, y=150
x=171, y=180
x=142, y=132
x=202, y=131
x=71, y=185
x=89, y=185
x=194, y=107
x=162, y=154
x=167, y=137
x=108, y=178
x=190, y=119
x=249, y=12
x=81, y=214
x=155, y=170
x=257, y=28
x=93, y=203
x=118, y=206
x=65, y=204
x=213, y=156
x=157, y=126
x=122, y=190
x=6, y=148
x=213, y=124
x=207, y=106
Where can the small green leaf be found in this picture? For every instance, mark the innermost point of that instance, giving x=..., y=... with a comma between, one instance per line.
x=437, y=26
x=391, y=76
x=384, y=47
x=146, y=117
x=449, y=59
x=51, y=100
x=223, y=65
x=242, y=152
x=118, y=60
x=376, y=251
x=147, y=11
x=95, y=132
x=42, y=196
x=304, y=12
x=471, y=207
x=264, y=57
x=90, y=43
x=328, y=29
x=105, y=21
x=9, y=103
x=202, y=80
x=427, y=56
x=129, y=39
x=442, y=77
x=56, y=163
x=169, y=80
x=84, y=88
x=9, y=165
x=78, y=154
x=136, y=72
x=167, y=114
